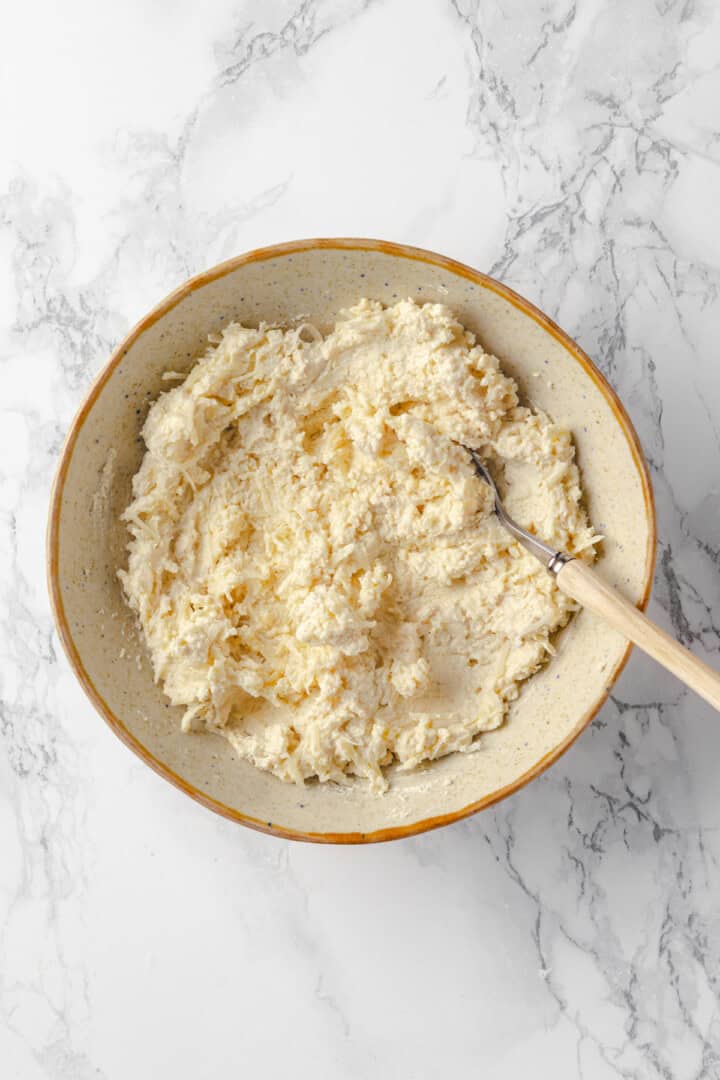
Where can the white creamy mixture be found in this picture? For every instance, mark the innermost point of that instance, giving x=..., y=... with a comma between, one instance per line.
x=317, y=570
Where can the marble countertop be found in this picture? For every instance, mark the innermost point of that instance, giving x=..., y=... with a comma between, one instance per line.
x=572, y=149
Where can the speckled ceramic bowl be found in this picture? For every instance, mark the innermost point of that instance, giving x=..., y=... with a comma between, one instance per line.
x=311, y=280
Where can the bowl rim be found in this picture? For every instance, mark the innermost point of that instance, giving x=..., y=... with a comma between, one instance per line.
x=56, y=496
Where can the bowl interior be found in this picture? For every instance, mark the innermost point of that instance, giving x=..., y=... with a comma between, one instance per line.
x=87, y=542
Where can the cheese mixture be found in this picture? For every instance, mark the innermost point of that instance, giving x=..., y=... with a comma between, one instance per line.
x=316, y=568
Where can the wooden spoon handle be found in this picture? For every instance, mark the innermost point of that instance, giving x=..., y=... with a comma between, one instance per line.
x=584, y=585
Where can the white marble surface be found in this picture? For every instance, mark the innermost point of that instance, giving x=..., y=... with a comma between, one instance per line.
x=570, y=148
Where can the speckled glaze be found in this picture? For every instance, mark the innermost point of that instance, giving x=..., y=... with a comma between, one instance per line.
x=312, y=280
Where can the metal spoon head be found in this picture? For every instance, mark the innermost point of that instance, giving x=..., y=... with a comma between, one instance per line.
x=482, y=471
x=547, y=555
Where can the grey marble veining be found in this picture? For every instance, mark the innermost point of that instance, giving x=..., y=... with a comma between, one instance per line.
x=571, y=149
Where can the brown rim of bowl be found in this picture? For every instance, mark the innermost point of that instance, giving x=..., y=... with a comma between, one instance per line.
x=174, y=298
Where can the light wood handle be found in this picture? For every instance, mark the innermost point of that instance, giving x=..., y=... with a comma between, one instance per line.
x=584, y=585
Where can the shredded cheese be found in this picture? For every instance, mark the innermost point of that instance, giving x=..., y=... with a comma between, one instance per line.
x=316, y=569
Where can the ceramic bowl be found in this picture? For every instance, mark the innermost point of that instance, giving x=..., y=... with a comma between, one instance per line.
x=312, y=280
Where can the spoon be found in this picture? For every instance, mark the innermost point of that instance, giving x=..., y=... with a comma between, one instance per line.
x=584, y=585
